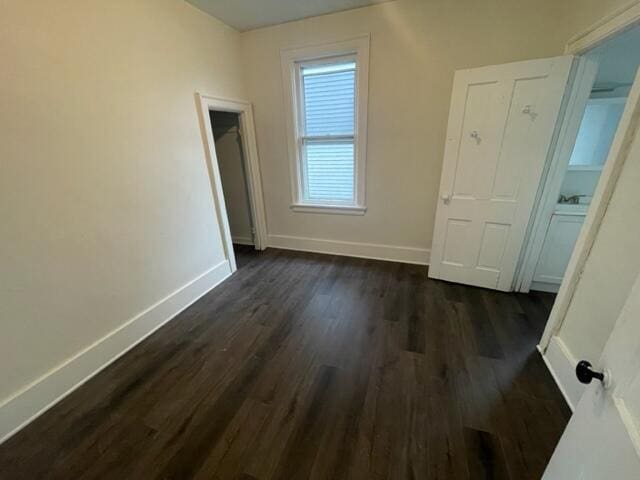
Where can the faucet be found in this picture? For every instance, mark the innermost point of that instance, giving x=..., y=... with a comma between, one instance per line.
x=573, y=199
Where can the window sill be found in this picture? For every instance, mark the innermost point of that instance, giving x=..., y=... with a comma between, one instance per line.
x=329, y=209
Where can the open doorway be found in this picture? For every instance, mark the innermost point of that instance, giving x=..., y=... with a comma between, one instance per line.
x=227, y=138
x=609, y=68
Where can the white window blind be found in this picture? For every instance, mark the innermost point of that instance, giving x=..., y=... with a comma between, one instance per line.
x=328, y=131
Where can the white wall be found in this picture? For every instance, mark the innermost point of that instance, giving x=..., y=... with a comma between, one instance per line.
x=105, y=199
x=597, y=129
x=579, y=182
x=231, y=162
x=415, y=48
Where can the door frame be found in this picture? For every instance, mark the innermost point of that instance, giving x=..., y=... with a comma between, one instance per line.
x=580, y=84
x=244, y=109
x=619, y=21
x=609, y=26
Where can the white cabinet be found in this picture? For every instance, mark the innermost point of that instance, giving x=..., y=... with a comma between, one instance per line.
x=559, y=242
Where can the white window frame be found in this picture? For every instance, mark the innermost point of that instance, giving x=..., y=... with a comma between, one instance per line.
x=292, y=60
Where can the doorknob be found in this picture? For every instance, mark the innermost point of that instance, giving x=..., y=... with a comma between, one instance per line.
x=446, y=198
x=585, y=374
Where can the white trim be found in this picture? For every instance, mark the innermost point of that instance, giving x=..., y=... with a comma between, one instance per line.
x=289, y=58
x=392, y=253
x=545, y=287
x=607, y=100
x=242, y=240
x=562, y=364
x=333, y=209
x=585, y=168
x=36, y=398
x=252, y=167
x=556, y=379
x=559, y=157
x=618, y=154
x=571, y=209
x=609, y=26
x=629, y=421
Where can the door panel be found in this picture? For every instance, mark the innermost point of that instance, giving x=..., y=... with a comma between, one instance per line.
x=454, y=250
x=517, y=138
x=557, y=248
x=500, y=126
x=494, y=239
x=481, y=98
x=602, y=440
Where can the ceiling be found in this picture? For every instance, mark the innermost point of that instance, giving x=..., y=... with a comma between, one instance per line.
x=246, y=15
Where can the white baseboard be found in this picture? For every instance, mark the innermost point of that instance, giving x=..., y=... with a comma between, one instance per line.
x=419, y=256
x=26, y=405
x=561, y=365
x=242, y=240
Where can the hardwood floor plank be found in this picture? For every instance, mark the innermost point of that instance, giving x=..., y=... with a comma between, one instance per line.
x=300, y=454
x=485, y=336
x=486, y=459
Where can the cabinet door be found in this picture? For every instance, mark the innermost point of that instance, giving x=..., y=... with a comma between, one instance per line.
x=558, y=247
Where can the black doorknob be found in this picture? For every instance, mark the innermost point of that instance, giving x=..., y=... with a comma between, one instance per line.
x=585, y=374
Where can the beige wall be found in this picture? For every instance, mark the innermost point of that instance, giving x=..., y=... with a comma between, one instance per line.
x=105, y=199
x=579, y=15
x=415, y=48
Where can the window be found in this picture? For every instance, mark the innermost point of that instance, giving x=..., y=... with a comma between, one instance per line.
x=327, y=125
x=326, y=91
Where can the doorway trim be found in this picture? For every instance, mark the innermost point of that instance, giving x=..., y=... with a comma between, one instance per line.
x=582, y=78
x=608, y=27
x=244, y=109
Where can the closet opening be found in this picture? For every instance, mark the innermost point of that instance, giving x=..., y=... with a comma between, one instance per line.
x=228, y=141
x=231, y=153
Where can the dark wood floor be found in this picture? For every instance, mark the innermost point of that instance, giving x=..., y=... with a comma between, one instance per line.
x=305, y=366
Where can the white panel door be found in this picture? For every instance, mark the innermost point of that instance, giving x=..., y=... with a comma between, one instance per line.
x=602, y=440
x=501, y=124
